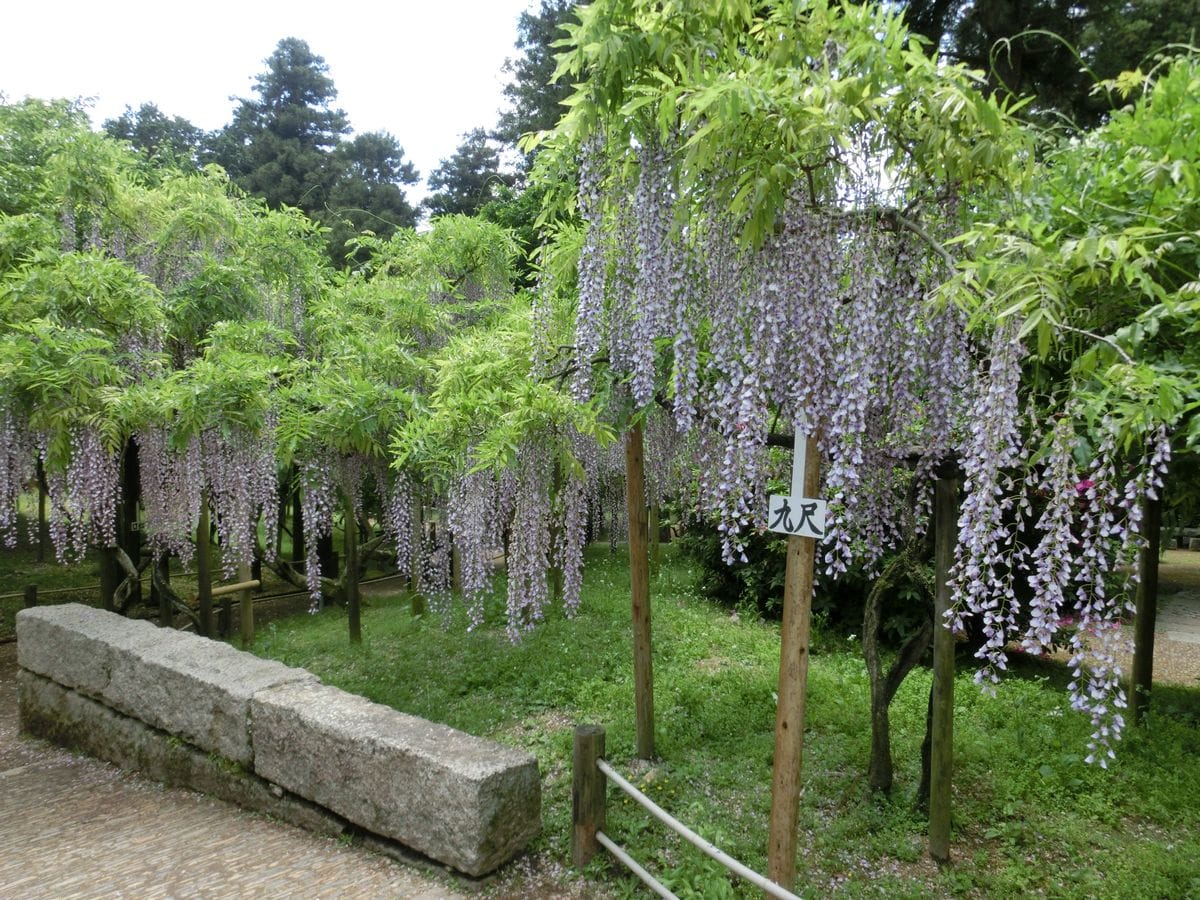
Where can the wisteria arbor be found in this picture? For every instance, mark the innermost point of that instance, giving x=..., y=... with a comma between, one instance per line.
x=510, y=457
x=767, y=190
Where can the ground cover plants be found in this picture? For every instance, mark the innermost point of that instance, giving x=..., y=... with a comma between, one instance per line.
x=1030, y=816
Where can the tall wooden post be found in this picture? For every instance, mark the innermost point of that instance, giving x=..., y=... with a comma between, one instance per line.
x=793, y=684
x=941, y=766
x=588, y=788
x=204, y=569
x=353, y=607
x=639, y=580
x=30, y=596
x=1147, y=607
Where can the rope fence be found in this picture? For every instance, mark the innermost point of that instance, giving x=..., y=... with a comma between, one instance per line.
x=589, y=790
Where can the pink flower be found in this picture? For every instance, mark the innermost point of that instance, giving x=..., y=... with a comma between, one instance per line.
x=1085, y=485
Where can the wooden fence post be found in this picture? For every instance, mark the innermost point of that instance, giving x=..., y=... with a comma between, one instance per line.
x=588, y=790
x=941, y=764
x=1147, y=608
x=30, y=596
x=639, y=579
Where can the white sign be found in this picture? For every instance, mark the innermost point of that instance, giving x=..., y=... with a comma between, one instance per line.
x=797, y=514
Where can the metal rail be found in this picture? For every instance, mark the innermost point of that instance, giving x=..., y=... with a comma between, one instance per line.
x=632, y=864
x=704, y=846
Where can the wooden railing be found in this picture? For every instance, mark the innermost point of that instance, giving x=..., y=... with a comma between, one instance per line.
x=589, y=790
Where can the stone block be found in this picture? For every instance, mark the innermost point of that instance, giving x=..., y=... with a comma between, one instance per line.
x=464, y=801
x=78, y=646
x=69, y=719
x=197, y=689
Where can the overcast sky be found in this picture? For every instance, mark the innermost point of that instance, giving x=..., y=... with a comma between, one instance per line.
x=425, y=70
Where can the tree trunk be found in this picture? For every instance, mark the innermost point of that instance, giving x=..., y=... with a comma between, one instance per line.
x=884, y=687
x=204, y=569
x=1147, y=608
x=921, y=804
x=414, y=578
x=941, y=752
x=246, y=607
x=281, y=517
x=43, y=530
x=655, y=538
x=110, y=578
x=326, y=557
x=350, y=533
x=128, y=536
x=162, y=569
x=298, y=548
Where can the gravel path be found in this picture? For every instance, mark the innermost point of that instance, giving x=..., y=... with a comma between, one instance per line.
x=75, y=827
x=1177, y=626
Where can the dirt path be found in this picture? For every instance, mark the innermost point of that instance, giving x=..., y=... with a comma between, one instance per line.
x=1177, y=626
x=74, y=827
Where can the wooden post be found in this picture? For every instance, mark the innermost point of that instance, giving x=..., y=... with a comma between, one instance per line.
x=1147, y=607
x=350, y=534
x=246, y=606
x=588, y=789
x=639, y=579
x=793, y=683
x=204, y=569
x=30, y=596
x=941, y=764
x=417, y=599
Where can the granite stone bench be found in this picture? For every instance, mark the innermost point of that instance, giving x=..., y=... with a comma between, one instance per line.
x=199, y=713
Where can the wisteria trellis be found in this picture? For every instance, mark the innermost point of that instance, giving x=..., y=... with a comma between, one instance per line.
x=836, y=319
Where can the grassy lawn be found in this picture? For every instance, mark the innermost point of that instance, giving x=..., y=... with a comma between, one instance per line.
x=1030, y=816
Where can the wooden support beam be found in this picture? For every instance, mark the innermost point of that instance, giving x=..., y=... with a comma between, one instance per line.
x=639, y=578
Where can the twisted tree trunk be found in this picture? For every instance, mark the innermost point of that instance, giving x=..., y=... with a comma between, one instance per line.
x=884, y=686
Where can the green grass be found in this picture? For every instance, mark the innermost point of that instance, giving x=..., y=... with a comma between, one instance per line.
x=1030, y=816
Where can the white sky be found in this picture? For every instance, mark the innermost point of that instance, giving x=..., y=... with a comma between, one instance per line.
x=425, y=70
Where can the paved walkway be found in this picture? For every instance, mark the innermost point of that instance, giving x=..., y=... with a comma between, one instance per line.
x=74, y=827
